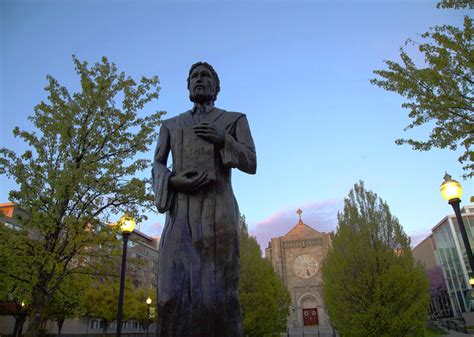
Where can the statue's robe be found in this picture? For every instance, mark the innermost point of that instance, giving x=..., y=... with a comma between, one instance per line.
x=198, y=267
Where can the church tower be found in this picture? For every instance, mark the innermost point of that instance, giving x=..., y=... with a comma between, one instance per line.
x=297, y=258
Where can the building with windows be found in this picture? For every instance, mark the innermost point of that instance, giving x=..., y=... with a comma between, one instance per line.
x=297, y=258
x=444, y=249
x=9, y=215
x=142, y=248
x=452, y=258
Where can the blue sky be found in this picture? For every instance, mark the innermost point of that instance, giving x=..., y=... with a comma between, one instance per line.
x=300, y=70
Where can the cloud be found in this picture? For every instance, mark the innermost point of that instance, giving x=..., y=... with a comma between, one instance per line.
x=321, y=215
x=152, y=229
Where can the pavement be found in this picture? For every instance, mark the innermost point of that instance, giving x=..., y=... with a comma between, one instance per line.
x=453, y=333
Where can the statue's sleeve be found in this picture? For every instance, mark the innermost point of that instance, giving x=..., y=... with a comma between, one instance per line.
x=239, y=150
x=160, y=173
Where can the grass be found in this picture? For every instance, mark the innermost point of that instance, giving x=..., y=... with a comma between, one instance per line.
x=432, y=333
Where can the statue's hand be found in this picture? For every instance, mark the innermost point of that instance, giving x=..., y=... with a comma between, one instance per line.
x=189, y=181
x=210, y=132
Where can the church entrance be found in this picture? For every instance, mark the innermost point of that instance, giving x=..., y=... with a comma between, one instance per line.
x=310, y=316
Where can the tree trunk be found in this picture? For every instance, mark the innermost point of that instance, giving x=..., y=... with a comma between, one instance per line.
x=60, y=322
x=105, y=328
x=35, y=322
x=39, y=302
x=19, y=321
x=20, y=330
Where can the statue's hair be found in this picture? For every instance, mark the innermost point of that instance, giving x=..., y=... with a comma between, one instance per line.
x=213, y=72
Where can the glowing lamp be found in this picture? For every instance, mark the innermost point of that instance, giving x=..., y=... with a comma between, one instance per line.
x=148, y=301
x=127, y=224
x=450, y=188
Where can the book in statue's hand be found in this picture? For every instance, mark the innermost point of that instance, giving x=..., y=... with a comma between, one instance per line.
x=197, y=155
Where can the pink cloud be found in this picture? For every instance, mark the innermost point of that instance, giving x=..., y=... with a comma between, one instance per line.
x=321, y=215
x=151, y=229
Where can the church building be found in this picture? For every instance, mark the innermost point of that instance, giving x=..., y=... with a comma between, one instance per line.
x=297, y=258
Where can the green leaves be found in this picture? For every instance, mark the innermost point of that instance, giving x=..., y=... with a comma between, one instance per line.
x=264, y=298
x=80, y=169
x=371, y=284
x=440, y=91
x=455, y=4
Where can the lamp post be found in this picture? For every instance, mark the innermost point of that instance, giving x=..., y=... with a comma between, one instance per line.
x=127, y=225
x=148, y=303
x=451, y=190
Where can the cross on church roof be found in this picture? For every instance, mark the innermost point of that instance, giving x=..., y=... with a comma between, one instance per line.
x=299, y=211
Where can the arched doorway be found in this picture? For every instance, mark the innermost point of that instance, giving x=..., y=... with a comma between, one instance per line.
x=309, y=310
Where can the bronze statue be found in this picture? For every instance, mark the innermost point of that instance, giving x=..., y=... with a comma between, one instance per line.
x=198, y=268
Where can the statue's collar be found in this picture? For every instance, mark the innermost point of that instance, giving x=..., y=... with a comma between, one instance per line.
x=207, y=108
x=212, y=114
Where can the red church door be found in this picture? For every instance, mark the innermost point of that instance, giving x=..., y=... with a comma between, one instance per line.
x=310, y=316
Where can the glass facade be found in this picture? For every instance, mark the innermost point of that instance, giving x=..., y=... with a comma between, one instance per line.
x=451, y=255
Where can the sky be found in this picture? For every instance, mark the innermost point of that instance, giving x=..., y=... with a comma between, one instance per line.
x=300, y=70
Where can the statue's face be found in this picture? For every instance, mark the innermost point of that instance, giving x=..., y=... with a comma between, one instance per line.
x=202, y=85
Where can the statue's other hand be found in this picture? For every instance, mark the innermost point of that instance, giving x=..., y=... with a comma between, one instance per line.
x=189, y=181
x=210, y=132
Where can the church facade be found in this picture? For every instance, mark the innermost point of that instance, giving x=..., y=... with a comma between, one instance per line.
x=297, y=257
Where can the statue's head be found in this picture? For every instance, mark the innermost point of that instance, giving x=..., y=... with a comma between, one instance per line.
x=203, y=83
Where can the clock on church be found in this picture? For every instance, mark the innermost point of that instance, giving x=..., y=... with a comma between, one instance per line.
x=305, y=266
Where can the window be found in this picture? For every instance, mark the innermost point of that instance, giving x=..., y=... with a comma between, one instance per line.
x=94, y=324
x=12, y=226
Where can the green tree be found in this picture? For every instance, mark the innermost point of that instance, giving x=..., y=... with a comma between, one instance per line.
x=143, y=313
x=14, y=299
x=79, y=172
x=15, y=296
x=440, y=91
x=67, y=300
x=264, y=299
x=101, y=301
x=372, y=286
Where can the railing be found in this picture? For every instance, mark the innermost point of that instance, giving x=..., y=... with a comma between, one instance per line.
x=312, y=332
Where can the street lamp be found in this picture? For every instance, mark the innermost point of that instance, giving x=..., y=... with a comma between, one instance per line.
x=451, y=190
x=127, y=225
x=148, y=302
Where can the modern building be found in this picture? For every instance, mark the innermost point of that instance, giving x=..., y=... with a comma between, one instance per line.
x=445, y=244
x=452, y=258
x=440, y=306
x=142, y=248
x=297, y=258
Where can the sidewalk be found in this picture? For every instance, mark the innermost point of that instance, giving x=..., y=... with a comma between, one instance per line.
x=453, y=333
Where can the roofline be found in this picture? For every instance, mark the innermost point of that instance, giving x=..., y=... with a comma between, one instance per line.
x=452, y=215
x=146, y=236
x=444, y=219
x=419, y=243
